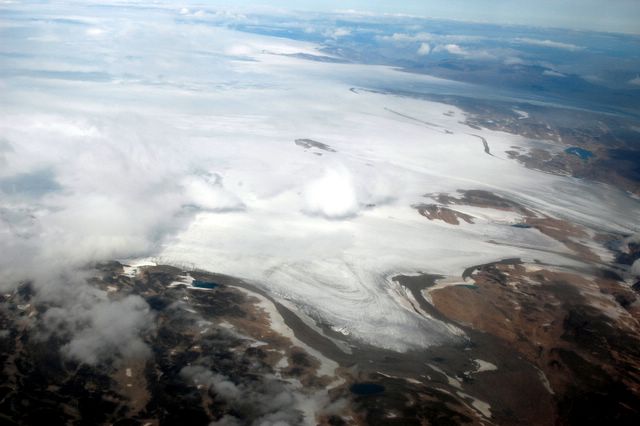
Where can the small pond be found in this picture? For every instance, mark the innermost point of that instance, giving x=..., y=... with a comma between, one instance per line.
x=366, y=388
x=204, y=284
x=579, y=152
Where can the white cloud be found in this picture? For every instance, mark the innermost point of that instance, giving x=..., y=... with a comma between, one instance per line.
x=455, y=49
x=336, y=33
x=431, y=37
x=549, y=43
x=104, y=329
x=333, y=195
x=207, y=192
x=635, y=81
x=424, y=49
x=401, y=37
x=110, y=200
x=95, y=32
x=240, y=50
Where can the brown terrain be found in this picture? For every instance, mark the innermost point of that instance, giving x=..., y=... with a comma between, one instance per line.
x=582, y=333
x=571, y=235
x=613, y=142
x=580, y=328
x=435, y=212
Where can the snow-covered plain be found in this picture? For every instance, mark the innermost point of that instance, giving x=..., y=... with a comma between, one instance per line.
x=175, y=139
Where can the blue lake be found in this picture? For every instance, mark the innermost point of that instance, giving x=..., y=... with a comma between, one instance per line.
x=579, y=152
x=204, y=284
x=521, y=225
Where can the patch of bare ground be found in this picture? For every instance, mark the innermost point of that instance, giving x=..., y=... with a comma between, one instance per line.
x=581, y=332
x=572, y=236
x=566, y=233
x=481, y=198
x=222, y=330
x=600, y=169
x=435, y=212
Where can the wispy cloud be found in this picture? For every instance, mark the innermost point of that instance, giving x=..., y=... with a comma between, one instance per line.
x=553, y=73
x=427, y=37
x=549, y=43
x=338, y=32
x=264, y=400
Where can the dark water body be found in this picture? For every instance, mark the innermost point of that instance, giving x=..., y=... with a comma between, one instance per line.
x=579, y=152
x=204, y=284
x=628, y=162
x=521, y=225
x=366, y=388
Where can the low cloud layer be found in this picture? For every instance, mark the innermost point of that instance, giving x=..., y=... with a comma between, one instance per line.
x=268, y=401
x=98, y=328
x=72, y=195
x=208, y=192
x=549, y=43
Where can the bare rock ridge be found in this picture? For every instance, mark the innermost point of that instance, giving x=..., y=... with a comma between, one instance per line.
x=310, y=143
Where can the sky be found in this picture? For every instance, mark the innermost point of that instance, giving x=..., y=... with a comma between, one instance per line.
x=610, y=16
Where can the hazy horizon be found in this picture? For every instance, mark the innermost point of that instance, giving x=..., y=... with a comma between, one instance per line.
x=619, y=16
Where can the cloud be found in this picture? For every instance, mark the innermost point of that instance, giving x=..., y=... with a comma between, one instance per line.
x=75, y=193
x=431, y=37
x=549, y=43
x=424, y=49
x=553, y=73
x=102, y=329
x=514, y=60
x=207, y=192
x=339, y=32
x=635, y=81
x=341, y=193
x=635, y=268
x=267, y=401
x=332, y=196
x=455, y=49
x=95, y=32
x=202, y=376
x=5, y=148
x=402, y=37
